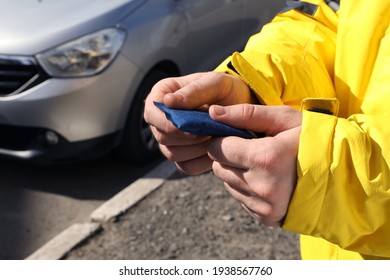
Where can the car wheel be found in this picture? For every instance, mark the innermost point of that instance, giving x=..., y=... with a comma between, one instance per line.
x=138, y=144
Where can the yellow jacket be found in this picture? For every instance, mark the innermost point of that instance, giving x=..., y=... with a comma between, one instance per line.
x=335, y=67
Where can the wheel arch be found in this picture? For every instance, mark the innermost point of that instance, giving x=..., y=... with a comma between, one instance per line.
x=134, y=114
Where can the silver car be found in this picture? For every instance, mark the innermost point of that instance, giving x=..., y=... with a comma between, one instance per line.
x=74, y=74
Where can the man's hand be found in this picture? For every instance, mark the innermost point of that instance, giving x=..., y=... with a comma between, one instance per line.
x=259, y=173
x=196, y=91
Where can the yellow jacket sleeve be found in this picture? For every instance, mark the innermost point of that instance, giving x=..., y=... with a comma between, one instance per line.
x=337, y=64
x=343, y=191
x=289, y=59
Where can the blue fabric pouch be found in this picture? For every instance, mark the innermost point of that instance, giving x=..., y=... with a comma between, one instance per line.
x=200, y=123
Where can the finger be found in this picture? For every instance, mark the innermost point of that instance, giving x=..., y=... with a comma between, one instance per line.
x=156, y=118
x=254, y=215
x=231, y=176
x=177, y=138
x=238, y=152
x=254, y=204
x=269, y=119
x=195, y=166
x=259, y=209
x=208, y=88
x=184, y=153
x=203, y=89
x=235, y=179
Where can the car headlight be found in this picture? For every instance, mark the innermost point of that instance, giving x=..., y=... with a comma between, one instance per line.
x=85, y=56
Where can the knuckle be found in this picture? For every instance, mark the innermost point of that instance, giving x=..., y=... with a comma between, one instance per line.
x=268, y=161
x=268, y=194
x=223, y=83
x=267, y=212
x=170, y=156
x=218, y=76
x=247, y=112
x=160, y=138
x=167, y=152
x=187, y=168
x=164, y=138
x=147, y=115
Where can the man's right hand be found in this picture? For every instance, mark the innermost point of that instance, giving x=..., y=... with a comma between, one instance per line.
x=195, y=91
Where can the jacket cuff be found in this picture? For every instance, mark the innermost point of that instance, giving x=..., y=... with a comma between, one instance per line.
x=313, y=165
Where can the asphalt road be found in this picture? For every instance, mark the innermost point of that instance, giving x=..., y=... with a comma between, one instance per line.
x=38, y=202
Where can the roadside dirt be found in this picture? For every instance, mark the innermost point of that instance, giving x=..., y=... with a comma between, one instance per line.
x=188, y=218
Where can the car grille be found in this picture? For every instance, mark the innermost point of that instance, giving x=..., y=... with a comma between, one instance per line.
x=19, y=73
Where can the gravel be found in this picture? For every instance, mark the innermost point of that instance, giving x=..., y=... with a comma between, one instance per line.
x=190, y=218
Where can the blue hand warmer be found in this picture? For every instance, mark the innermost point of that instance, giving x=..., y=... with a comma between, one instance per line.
x=200, y=123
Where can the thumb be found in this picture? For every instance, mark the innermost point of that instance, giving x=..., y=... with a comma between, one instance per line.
x=201, y=89
x=271, y=120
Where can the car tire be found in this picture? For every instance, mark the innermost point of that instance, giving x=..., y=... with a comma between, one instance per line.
x=138, y=144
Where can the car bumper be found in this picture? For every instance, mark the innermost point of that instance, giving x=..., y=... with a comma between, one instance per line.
x=82, y=113
x=43, y=146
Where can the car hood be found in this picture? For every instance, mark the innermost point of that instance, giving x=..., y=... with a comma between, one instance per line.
x=28, y=27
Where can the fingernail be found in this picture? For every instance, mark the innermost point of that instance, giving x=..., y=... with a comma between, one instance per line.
x=219, y=110
x=177, y=97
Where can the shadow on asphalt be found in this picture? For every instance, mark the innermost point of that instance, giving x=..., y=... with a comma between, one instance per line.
x=38, y=202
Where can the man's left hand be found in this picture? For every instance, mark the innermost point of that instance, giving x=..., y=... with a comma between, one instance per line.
x=259, y=173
